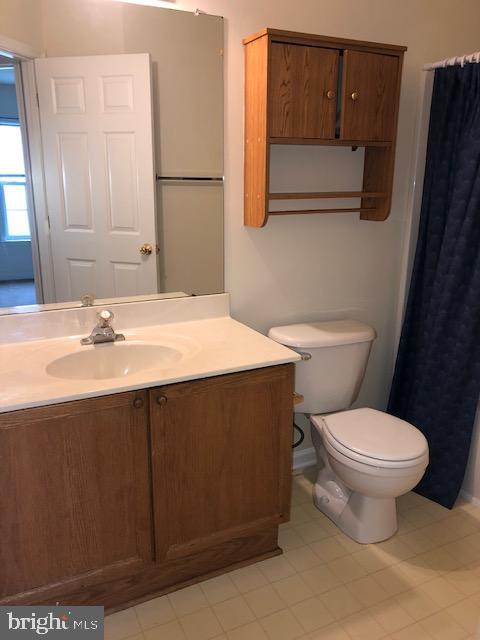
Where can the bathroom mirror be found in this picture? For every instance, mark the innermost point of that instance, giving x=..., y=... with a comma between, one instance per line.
x=111, y=157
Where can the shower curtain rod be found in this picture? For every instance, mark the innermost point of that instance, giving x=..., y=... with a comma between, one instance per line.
x=450, y=62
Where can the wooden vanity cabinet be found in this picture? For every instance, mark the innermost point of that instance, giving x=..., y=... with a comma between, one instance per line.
x=74, y=492
x=111, y=500
x=221, y=458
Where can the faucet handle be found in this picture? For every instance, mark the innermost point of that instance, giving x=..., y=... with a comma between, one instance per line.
x=104, y=318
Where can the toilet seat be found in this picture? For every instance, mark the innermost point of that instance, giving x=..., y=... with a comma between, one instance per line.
x=373, y=438
x=374, y=465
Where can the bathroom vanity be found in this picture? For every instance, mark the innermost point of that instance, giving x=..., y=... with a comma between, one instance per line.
x=136, y=485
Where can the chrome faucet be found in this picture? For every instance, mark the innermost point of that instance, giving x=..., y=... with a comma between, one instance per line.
x=103, y=331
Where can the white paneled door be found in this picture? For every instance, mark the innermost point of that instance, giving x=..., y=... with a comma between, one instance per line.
x=97, y=137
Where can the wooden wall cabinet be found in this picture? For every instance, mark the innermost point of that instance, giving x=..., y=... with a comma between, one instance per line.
x=308, y=89
x=301, y=79
x=110, y=500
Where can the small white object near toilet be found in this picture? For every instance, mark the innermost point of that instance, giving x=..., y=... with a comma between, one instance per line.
x=366, y=458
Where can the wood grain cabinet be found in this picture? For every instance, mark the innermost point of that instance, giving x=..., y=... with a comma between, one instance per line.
x=221, y=454
x=110, y=500
x=369, y=96
x=74, y=492
x=308, y=89
x=302, y=92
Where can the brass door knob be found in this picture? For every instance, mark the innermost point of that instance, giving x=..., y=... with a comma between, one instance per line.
x=354, y=96
x=330, y=95
x=146, y=249
x=138, y=403
x=162, y=400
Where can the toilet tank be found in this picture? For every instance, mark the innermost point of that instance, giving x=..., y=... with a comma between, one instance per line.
x=335, y=358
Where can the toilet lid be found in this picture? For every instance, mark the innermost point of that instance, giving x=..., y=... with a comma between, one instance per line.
x=375, y=434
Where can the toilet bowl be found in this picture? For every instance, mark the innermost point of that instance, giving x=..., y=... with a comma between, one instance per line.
x=366, y=458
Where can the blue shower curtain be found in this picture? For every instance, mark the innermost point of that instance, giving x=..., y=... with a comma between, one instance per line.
x=436, y=384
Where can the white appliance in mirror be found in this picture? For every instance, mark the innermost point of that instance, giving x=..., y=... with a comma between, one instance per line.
x=111, y=175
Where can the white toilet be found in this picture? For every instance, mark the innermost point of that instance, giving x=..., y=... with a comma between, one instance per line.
x=366, y=458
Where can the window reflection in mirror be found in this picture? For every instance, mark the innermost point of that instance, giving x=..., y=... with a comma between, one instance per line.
x=17, y=285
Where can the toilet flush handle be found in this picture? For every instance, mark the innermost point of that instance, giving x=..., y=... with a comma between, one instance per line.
x=304, y=355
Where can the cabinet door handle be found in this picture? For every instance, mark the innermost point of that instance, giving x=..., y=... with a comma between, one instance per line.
x=354, y=96
x=138, y=403
x=330, y=95
x=162, y=400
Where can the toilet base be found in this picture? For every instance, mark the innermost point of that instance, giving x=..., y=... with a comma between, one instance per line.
x=364, y=519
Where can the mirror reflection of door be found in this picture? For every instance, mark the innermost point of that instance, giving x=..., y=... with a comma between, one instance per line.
x=91, y=179
x=17, y=283
x=97, y=141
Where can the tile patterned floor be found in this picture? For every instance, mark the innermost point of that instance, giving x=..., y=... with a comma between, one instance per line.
x=423, y=583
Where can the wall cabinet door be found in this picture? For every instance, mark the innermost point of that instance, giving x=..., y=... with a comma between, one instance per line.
x=369, y=96
x=302, y=91
x=75, y=493
x=221, y=458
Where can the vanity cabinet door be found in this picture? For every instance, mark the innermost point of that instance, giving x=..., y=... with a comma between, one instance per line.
x=222, y=456
x=74, y=493
x=302, y=91
x=369, y=96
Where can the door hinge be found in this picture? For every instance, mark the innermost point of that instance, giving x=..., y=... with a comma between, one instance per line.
x=48, y=223
x=38, y=100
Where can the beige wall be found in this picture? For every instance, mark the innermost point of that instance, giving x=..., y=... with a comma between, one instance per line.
x=82, y=27
x=21, y=20
x=186, y=54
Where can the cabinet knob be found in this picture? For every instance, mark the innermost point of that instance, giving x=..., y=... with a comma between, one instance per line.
x=138, y=403
x=330, y=95
x=162, y=400
x=354, y=96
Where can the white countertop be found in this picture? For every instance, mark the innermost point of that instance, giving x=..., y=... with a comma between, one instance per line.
x=211, y=345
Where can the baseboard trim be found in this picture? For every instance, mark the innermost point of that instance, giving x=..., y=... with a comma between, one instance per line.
x=304, y=458
x=466, y=496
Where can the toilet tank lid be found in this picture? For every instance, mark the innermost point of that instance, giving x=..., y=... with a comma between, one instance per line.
x=331, y=333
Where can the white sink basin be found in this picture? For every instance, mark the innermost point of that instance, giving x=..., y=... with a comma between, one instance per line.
x=112, y=360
